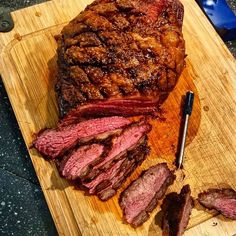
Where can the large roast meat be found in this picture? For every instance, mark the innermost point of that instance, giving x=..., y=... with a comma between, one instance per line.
x=120, y=57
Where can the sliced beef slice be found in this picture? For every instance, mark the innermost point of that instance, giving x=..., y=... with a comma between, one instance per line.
x=127, y=140
x=101, y=175
x=222, y=200
x=78, y=163
x=142, y=196
x=103, y=180
x=53, y=143
x=133, y=160
x=177, y=209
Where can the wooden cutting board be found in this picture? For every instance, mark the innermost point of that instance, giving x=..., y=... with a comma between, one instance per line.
x=27, y=63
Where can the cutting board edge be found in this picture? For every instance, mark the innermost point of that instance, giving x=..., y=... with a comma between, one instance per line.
x=8, y=44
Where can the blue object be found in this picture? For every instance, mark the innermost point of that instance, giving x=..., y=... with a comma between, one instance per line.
x=221, y=16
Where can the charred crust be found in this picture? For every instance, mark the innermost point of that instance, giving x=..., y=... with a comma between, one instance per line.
x=117, y=37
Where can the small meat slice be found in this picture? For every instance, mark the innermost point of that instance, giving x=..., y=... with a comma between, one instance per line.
x=177, y=209
x=127, y=140
x=133, y=160
x=77, y=164
x=53, y=143
x=124, y=107
x=142, y=196
x=223, y=200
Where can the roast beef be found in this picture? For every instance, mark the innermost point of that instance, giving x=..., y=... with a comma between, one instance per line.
x=103, y=180
x=142, y=196
x=133, y=160
x=118, y=50
x=78, y=163
x=177, y=209
x=127, y=140
x=53, y=143
x=102, y=174
x=223, y=200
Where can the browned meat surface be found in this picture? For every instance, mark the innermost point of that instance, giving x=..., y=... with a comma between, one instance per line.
x=223, y=200
x=53, y=143
x=78, y=163
x=142, y=196
x=118, y=49
x=177, y=209
x=104, y=108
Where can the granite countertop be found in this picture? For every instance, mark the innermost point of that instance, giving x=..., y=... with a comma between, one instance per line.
x=232, y=44
x=23, y=210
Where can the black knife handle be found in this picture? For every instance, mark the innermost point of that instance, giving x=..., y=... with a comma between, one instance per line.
x=188, y=106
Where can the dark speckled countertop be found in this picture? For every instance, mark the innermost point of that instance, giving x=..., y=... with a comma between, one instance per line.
x=23, y=210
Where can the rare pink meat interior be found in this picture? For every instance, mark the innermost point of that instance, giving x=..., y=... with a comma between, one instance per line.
x=142, y=196
x=223, y=200
x=53, y=143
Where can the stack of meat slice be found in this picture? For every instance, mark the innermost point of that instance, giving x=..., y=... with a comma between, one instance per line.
x=111, y=163
x=100, y=153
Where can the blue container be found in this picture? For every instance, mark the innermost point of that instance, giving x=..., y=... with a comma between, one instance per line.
x=221, y=16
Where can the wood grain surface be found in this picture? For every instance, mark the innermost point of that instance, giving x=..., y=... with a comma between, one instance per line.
x=27, y=64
